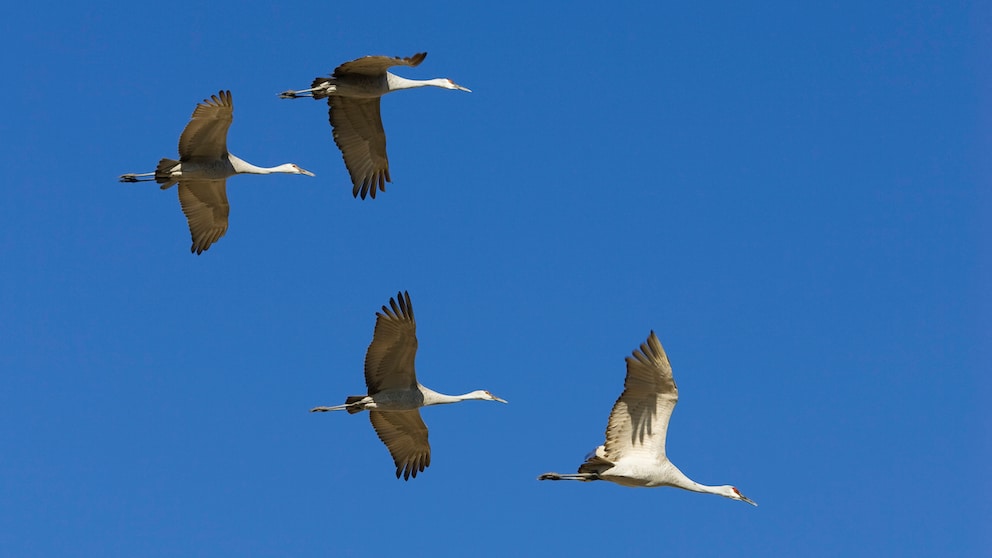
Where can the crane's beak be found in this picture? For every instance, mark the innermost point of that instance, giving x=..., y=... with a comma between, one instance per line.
x=306, y=172
x=748, y=500
x=460, y=88
x=498, y=399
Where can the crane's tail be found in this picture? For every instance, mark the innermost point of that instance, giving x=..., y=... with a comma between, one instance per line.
x=164, y=172
x=349, y=404
x=596, y=462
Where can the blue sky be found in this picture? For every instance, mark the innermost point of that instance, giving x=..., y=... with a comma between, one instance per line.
x=794, y=198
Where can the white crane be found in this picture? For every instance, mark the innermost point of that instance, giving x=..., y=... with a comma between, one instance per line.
x=203, y=168
x=394, y=394
x=353, y=93
x=634, y=452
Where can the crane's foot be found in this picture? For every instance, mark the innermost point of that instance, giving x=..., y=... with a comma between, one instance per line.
x=294, y=94
x=132, y=177
x=584, y=477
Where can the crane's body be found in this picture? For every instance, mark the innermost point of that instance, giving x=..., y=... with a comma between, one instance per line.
x=221, y=168
x=634, y=454
x=353, y=92
x=203, y=168
x=394, y=395
x=361, y=86
x=404, y=400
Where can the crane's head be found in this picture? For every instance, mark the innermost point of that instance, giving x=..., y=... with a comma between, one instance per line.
x=484, y=396
x=448, y=84
x=298, y=170
x=734, y=494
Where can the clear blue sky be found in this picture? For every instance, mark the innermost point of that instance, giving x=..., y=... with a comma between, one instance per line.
x=796, y=199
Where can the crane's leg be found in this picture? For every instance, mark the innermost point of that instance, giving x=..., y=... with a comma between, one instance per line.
x=142, y=177
x=585, y=477
x=323, y=88
x=353, y=404
x=325, y=409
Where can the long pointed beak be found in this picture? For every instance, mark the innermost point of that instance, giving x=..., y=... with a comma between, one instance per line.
x=460, y=88
x=748, y=500
x=498, y=399
x=306, y=172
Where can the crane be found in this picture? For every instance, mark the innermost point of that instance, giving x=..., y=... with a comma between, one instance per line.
x=634, y=452
x=203, y=168
x=394, y=394
x=353, y=93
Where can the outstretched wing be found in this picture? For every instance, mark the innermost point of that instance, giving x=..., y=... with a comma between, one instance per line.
x=358, y=133
x=205, y=205
x=375, y=65
x=389, y=359
x=639, y=419
x=405, y=434
x=206, y=134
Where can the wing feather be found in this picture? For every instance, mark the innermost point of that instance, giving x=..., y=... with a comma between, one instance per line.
x=405, y=435
x=206, y=134
x=389, y=361
x=205, y=204
x=358, y=133
x=639, y=419
x=375, y=65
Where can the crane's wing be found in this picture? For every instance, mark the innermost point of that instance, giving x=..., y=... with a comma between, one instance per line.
x=639, y=420
x=206, y=134
x=389, y=360
x=405, y=434
x=375, y=65
x=357, y=127
x=205, y=205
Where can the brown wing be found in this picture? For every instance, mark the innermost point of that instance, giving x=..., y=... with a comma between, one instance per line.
x=375, y=65
x=205, y=205
x=358, y=132
x=405, y=434
x=389, y=359
x=206, y=134
x=639, y=420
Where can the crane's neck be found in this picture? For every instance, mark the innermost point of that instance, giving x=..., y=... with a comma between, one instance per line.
x=678, y=479
x=705, y=489
x=689, y=484
x=244, y=167
x=396, y=82
x=432, y=397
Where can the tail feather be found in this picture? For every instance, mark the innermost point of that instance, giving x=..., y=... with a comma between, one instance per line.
x=596, y=462
x=353, y=399
x=163, y=173
x=320, y=93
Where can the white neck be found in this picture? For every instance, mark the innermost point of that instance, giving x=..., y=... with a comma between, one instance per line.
x=396, y=82
x=677, y=478
x=705, y=489
x=724, y=490
x=432, y=397
x=244, y=167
